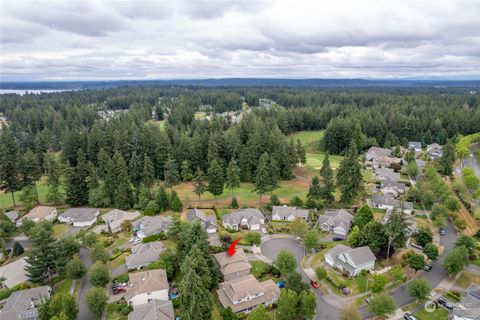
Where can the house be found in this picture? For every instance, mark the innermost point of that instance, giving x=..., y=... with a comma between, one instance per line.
x=80, y=217
x=39, y=213
x=249, y=218
x=12, y=215
x=233, y=267
x=434, y=151
x=14, y=273
x=415, y=145
x=336, y=221
x=143, y=254
x=349, y=260
x=469, y=307
x=209, y=222
x=285, y=213
x=151, y=225
x=245, y=293
x=382, y=201
x=146, y=286
x=153, y=310
x=115, y=218
x=23, y=304
x=376, y=152
x=392, y=188
x=387, y=174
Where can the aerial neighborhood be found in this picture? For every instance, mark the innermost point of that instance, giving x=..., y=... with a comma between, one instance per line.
x=171, y=212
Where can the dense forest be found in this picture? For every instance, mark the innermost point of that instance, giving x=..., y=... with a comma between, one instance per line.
x=119, y=154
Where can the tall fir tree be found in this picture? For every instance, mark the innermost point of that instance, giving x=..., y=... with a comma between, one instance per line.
x=274, y=174
x=102, y=159
x=123, y=190
x=199, y=186
x=215, y=178
x=232, y=181
x=314, y=190
x=186, y=172
x=9, y=165
x=172, y=177
x=328, y=186
x=148, y=171
x=349, y=175
x=301, y=153
x=262, y=183
x=77, y=182
x=448, y=158
x=135, y=168
x=163, y=201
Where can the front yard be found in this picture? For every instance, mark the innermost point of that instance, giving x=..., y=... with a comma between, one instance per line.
x=438, y=314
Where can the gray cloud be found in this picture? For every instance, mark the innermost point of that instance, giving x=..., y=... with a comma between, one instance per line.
x=198, y=39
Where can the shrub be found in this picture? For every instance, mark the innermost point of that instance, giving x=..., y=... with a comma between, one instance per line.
x=321, y=273
x=296, y=202
x=122, y=278
x=234, y=204
x=253, y=238
x=274, y=200
x=154, y=237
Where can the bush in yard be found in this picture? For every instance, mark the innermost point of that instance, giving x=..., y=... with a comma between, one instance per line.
x=17, y=249
x=98, y=253
x=416, y=262
x=397, y=273
x=260, y=268
x=296, y=202
x=419, y=289
x=253, y=238
x=459, y=223
x=75, y=269
x=423, y=236
x=456, y=260
x=274, y=200
x=122, y=278
x=379, y=283
x=382, y=305
x=321, y=273
x=431, y=251
x=155, y=237
x=286, y=261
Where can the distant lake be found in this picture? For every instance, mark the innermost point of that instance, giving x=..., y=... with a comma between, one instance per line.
x=23, y=91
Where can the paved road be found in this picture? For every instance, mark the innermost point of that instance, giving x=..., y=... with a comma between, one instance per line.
x=471, y=162
x=271, y=248
x=83, y=311
x=325, y=311
x=434, y=277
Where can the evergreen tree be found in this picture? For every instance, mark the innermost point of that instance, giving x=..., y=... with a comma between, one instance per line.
x=448, y=158
x=233, y=176
x=29, y=197
x=144, y=196
x=96, y=300
x=349, y=175
x=163, y=202
x=123, y=190
x=314, y=190
x=363, y=216
x=175, y=202
x=9, y=165
x=301, y=153
x=274, y=174
x=148, y=171
x=307, y=304
x=287, y=305
x=102, y=159
x=195, y=300
x=77, y=182
x=52, y=167
x=172, y=177
x=199, y=186
x=30, y=171
x=328, y=187
x=215, y=179
x=396, y=228
x=17, y=249
x=98, y=197
x=186, y=171
x=262, y=176
x=135, y=168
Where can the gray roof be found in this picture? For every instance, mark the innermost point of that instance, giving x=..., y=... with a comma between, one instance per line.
x=144, y=254
x=152, y=224
x=80, y=214
x=116, y=217
x=208, y=220
x=154, y=310
x=23, y=304
x=12, y=215
x=253, y=216
x=376, y=152
x=392, y=184
x=469, y=306
x=387, y=174
x=415, y=145
x=14, y=273
x=285, y=211
x=340, y=218
x=381, y=199
x=361, y=255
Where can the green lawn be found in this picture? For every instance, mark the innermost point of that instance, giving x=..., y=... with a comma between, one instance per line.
x=6, y=198
x=63, y=287
x=113, y=312
x=59, y=230
x=438, y=314
x=311, y=141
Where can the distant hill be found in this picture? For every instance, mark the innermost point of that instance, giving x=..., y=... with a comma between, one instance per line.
x=236, y=82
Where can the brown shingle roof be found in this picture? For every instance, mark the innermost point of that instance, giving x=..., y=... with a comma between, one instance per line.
x=146, y=281
x=231, y=264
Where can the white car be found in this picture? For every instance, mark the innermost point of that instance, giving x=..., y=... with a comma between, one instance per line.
x=264, y=231
x=137, y=241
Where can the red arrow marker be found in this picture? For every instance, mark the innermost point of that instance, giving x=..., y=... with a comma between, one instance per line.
x=231, y=251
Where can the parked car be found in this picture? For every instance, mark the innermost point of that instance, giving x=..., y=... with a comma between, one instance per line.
x=314, y=284
x=408, y=316
x=368, y=300
x=137, y=241
x=445, y=303
x=337, y=239
x=281, y=284
x=428, y=267
x=264, y=231
x=441, y=231
x=119, y=290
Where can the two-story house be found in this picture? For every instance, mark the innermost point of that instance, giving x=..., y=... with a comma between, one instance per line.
x=233, y=267
x=147, y=286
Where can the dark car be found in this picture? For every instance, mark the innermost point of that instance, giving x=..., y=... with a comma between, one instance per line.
x=427, y=267
x=119, y=290
x=368, y=300
x=314, y=284
x=445, y=303
x=441, y=231
x=337, y=239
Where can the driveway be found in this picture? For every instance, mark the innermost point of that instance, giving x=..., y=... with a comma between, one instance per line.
x=272, y=247
x=83, y=311
x=434, y=277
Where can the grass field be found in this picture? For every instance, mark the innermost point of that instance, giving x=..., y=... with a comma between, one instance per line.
x=311, y=141
x=439, y=314
x=6, y=198
x=59, y=230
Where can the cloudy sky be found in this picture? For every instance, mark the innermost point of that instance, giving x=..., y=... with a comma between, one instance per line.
x=80, y=40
